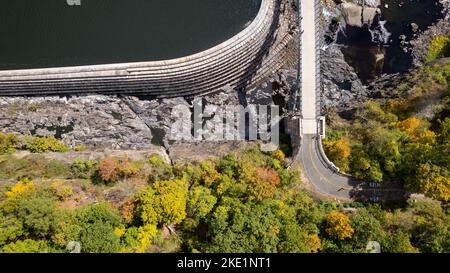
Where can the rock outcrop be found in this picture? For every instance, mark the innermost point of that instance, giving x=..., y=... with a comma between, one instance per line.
x=358, y=15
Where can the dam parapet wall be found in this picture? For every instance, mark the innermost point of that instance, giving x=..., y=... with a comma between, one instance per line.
x=241, y=61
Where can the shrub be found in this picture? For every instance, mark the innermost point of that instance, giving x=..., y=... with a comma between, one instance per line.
x=83, y=168
x=44, y=144
x=80, y=148
x=108, y=169
x=439, y=47
x=61, y=190
x=127, y=168
x=161, y=170
x=8, y=143
x=21, y=186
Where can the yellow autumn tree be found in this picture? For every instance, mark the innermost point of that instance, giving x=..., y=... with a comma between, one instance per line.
x=314, y=242
x=338, y=225
x=410, y=126
x=338, y=151
x=164, y=202
x=433, y=181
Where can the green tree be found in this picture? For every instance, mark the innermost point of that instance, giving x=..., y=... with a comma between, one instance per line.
x=366, y=228
x=97, y=223
x=201, y=201
x=27, y=246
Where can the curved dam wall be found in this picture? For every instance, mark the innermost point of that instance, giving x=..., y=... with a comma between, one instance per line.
x=238, y=62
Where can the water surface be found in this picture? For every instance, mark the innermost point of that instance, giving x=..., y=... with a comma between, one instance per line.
x=48, y=33
x=365, y=53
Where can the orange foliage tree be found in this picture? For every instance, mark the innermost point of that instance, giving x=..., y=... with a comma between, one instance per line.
x=108, y=169
x=264, y=183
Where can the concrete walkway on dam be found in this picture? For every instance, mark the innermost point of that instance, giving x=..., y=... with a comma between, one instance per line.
x=308, y=65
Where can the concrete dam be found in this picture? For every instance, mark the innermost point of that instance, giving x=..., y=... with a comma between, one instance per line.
x=257, y=51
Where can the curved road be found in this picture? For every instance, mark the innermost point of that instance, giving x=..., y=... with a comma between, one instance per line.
x=316, y=167
x=320, y=175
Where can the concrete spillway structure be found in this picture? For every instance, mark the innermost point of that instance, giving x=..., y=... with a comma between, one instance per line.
x=240, y=61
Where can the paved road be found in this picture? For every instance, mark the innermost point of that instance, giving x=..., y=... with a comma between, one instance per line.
x=317, y=172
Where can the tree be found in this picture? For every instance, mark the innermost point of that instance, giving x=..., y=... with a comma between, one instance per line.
x=264, y=183
x=339, y=152
x=10, y=228
x=366, y=228
x=411, y=126
x=297, y=240
x=38, y=215
x=66, y=228
x=398, y=242
x=338, y=225
x=434, y=181
x=163, y=203
x=204, y=173
x=138, y=239
x=201, y=201
x=439, y=47
x=243, y=227
x=26, y=246
x=97, y=223
x=431, y=230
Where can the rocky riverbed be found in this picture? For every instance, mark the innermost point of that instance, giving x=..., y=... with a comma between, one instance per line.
x=124, y=122
x=362, y=53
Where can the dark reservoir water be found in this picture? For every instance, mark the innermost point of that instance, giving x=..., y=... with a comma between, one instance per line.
x=376, y=49
x=48, y=33
x=399, y=15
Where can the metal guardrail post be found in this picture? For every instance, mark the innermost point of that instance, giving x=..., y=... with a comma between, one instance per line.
x=320, y=121
x=318, y=59
x=297, y=94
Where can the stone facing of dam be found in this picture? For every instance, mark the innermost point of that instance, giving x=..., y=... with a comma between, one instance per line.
x=238, y=62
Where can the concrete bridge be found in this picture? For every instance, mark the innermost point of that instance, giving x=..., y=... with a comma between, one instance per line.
x=317, y=168
x=322, y=173
x=241, y=61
